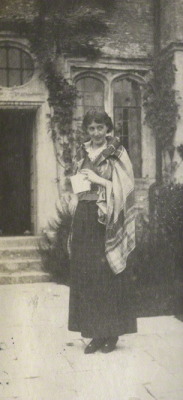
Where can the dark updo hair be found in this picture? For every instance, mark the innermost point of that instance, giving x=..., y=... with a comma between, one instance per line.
x=100, y=117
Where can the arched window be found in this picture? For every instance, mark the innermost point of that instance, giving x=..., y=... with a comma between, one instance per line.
x=90, y=94
x=16, y=66
x=127, y=119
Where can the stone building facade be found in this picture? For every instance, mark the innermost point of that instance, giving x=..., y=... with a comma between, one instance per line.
x=114, y=82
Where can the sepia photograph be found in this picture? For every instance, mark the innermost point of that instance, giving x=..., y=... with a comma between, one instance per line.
x=91, y=199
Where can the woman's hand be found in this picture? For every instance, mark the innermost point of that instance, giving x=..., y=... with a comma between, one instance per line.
x=93, y=177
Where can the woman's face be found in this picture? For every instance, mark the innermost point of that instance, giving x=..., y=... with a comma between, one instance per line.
x=97, y=132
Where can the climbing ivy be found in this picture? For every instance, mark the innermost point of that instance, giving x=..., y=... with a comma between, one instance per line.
x=60, y=28
x=180, y=150
x=160, y=101
x=56, y=29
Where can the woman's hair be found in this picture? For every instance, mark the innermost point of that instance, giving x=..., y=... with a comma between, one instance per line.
x=100, y=117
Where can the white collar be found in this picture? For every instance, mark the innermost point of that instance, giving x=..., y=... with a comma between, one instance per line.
x=88, y=146
x=94, y=152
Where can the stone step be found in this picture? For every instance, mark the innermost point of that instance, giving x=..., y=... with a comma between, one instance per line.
x=18, y=252
x=24, y=277
x=20, y=260
x=19, y=241
x=32, y=264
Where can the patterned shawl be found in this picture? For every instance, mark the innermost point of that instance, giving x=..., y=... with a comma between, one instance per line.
x=115, y=202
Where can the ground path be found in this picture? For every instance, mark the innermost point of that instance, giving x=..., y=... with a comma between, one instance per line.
x=41, y=360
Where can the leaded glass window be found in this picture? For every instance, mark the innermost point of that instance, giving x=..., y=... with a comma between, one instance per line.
x=16, y=66
x=90, y=94
x=127, y=119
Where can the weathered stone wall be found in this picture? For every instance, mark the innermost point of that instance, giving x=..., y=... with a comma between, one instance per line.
x=172, y=34
x=131, y=37
x=17, y=8
x=178, y=139
x=179, y=20
x=132, y=26
x=171, y=22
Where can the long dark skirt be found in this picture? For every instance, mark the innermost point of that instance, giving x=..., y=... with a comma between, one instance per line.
x=99, y=299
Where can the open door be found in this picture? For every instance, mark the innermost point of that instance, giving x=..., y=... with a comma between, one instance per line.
x=16, y=138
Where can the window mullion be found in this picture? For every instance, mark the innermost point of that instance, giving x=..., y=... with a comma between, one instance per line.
x=21, y=69
x=7, y=66
x=13, y=67
x=108, y=98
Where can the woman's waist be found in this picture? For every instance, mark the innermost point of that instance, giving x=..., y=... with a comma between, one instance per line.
x=88, y=196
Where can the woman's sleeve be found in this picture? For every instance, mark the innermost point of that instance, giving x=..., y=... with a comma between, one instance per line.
x=74, y=166
x=104, y=194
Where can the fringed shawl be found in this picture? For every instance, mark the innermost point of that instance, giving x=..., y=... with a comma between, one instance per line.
x=115, y=202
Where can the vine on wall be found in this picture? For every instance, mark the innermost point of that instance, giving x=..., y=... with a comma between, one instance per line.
x=160, y=103
x=74, y=27
x=160, y=100
x=56, y=29
x=61, y=100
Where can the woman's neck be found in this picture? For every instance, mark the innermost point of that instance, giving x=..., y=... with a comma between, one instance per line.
x=97, y=146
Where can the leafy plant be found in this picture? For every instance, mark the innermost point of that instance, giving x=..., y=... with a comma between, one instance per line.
x=160, y=100
x=157, y=261
x=53, y=249
x=69, y=26
x=161, y=109
x=74, y=27
x=56, y=29
x=180, y=150
x=167, y=224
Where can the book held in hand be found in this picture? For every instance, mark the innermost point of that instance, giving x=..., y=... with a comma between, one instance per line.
x=80, y=183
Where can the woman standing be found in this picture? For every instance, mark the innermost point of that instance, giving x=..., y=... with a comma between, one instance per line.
x=103, y=234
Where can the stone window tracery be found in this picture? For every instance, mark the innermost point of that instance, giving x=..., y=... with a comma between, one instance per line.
x=123, y=104
x=16, y=66
x=90, y=94
x=127, y=118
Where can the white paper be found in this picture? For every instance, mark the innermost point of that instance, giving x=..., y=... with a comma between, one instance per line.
x=80, y=183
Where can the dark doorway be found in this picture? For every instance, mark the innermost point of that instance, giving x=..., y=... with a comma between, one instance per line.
x=15, y=157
